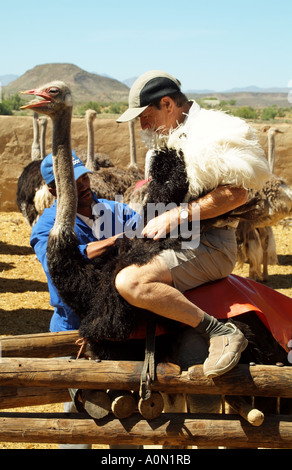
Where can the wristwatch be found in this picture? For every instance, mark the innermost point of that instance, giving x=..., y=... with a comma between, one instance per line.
x=184, y=213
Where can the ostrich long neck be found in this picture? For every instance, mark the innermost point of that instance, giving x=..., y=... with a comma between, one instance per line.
x=35, y=149
x=63, y=171
x=90, y=145
x=133, y=156
x=271, y=151
x=43, y=138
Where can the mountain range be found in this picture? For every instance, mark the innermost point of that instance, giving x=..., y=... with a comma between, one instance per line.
x=247, y=89
x=87, y=86
x=6, y=79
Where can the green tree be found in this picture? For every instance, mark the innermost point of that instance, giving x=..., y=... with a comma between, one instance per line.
x=89, y=105
x=10, y=104
x=282, y=112
x=269, y=113
x=115, y=108
x=4, y=109
x=246, y=112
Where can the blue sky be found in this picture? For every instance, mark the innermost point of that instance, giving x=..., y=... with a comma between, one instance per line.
x=206, y=44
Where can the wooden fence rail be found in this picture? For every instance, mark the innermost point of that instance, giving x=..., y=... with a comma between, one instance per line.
x=179, y=429
x=33, y=371
x=40, y=344
x=269, y=381
x=16, y=397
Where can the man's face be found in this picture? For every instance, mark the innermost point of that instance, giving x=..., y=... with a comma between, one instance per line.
x=153, y=118
x=84, y=192
x=162, y=120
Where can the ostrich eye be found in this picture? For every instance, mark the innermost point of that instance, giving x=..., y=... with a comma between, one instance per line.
x=54, y=91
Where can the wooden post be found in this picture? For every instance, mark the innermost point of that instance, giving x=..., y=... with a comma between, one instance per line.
x=151, y=407
x=179, y=429
x=270, y=381
x=123, y=403
x=244, y=409
x=40, y=344
x=15, y=397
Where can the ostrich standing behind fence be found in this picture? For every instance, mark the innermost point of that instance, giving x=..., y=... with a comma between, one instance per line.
x=32, y=192
x=269, y=206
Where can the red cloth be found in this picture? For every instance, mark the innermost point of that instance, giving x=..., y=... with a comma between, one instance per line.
x=235, y=295
x=139, y=184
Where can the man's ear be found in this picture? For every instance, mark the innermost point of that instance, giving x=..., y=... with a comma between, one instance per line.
x=168, y=103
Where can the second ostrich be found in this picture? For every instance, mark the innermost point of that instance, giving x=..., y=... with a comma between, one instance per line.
x=94, y=161
x=265, y=209
x=32, y=192
x=108, y=182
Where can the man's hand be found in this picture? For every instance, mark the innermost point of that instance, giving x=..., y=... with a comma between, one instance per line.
x=218, y=202
x=162, y=225
x=97, y=248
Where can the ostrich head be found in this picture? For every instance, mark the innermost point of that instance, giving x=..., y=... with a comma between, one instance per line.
x=55, y=100
x=55, y=97
x=90, y=115
x=274, y=131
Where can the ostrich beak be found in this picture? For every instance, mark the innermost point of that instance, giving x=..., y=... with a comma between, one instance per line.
x=45, y=98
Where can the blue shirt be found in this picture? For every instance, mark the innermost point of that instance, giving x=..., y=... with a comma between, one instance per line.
x=115, y=218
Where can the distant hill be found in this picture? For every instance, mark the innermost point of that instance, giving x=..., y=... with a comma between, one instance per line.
x=242, y=98
x=85, y=86
x=247, y=89
x=129, y=81
x=246, y=96
x=256, y=89
x=88, y=86
x=5, y=79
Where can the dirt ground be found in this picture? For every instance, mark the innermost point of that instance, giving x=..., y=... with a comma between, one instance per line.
x=24, y=304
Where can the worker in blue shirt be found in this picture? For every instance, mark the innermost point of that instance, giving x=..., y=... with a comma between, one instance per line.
x=98, y=224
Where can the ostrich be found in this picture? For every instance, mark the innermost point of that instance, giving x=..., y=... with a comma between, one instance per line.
x=107, y=180
x=32, y=192
x=109, y=183
x=272, y=132
x=133, y=155
x=35, y=148
x=57, y=103
x=43, y=122
x=265, y=208
x=88, y=286
x=94, y=161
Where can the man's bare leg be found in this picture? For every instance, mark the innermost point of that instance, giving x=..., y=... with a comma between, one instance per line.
x=150, y=287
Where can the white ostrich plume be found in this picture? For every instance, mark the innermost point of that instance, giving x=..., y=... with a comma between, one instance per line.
x=220, y=149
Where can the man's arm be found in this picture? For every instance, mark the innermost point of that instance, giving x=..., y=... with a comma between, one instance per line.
x=97, y=248
x=218, y=202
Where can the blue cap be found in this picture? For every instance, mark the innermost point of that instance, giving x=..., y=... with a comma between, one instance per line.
x=47, y=168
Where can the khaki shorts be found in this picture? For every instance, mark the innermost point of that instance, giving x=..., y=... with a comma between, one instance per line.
x=213, y=259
